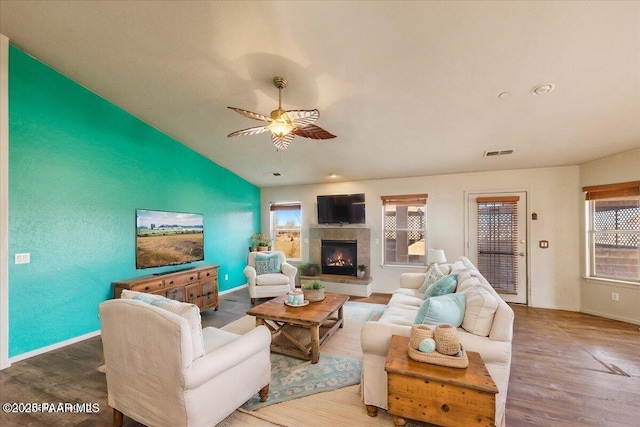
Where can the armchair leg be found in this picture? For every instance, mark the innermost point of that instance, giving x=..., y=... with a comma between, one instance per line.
x=372, y=410
x=117, y=418
x=253, y=301
x=264, y=393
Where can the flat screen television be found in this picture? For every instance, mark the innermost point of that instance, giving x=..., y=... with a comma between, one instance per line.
x=168, y=238
x=341, y=209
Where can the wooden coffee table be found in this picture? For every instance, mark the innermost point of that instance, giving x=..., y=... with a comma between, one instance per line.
x=299, y=331
x=438, y=394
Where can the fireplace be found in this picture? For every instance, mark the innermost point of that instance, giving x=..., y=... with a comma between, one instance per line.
x=339, y=257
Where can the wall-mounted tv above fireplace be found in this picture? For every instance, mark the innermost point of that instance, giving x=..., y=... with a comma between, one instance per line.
x=168, y=238
x=341, y=209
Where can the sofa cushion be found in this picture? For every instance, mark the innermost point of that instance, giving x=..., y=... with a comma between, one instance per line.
x=480, y=309
x=433, y=275
x=272, y=279
x=448, y=308
x=267, y=264
x=400, y=299
x=190, y=312
x=399, y=315
x=446, y=285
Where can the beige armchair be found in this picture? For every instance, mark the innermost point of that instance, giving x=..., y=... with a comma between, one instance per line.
x=153, y=376
x=276, y=279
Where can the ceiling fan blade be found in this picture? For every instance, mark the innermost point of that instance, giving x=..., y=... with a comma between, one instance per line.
x=313, y=132
x=250, y=131
x=250, y=114
x=282, y=142
x=301, y=118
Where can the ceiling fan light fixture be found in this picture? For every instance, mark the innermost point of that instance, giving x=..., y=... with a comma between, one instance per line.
x=284, y=125
x=280, y=126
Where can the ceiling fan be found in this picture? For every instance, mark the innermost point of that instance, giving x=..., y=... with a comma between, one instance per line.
x=284, y=125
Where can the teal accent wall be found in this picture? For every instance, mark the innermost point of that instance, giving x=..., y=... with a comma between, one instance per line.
x=79, y=167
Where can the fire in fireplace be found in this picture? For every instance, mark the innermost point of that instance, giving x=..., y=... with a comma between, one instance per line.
x=339, y=257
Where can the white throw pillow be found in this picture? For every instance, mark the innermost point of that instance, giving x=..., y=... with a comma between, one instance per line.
x=457, y=266
x=480, y=309
x=467, y=281
x=433, y=275
x=190, y=312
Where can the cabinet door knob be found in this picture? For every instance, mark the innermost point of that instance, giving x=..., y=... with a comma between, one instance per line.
x=171, y=282
x=146, y=288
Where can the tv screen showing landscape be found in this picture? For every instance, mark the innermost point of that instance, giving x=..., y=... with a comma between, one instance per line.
x=168, y=238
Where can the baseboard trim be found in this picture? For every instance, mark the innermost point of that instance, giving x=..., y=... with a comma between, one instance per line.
x=246, y=285
x=611, y=316
x=52, y=347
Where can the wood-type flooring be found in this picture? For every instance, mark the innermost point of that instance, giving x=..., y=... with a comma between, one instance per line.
x=568, y=369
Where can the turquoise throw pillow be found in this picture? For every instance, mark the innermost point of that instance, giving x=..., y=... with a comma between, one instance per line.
x=447, y=308
x=268, y=264
x=446, y=285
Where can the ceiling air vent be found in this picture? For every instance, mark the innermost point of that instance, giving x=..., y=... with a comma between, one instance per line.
x=497, y=153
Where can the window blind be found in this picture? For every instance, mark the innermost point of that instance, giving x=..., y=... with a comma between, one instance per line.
x=611, y=191
x=405, y=199
x=498, y=241
x=285, y=207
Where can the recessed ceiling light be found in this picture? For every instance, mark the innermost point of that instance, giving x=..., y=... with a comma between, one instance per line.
x=542, y=89
x=504, y=95
x=277, y=174
x=333, y=175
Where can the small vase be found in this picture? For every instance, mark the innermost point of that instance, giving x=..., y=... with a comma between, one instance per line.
x=361, y=274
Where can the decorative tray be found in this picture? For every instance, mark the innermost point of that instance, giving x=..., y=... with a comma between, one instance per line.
x=297, y=305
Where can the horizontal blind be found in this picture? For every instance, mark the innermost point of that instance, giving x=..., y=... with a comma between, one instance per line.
x=405, y=199
x=285, y=207
x=611, y=191
x=498, y=241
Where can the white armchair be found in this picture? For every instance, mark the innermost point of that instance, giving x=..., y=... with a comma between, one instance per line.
x=153, y=377
x=266, y=283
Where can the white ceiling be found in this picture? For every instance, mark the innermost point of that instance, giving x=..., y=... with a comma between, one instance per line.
x=410, y=88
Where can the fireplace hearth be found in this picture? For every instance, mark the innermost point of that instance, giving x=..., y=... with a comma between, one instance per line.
x=339, y=257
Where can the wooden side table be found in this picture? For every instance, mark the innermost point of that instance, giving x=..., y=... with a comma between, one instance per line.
x=438, y=394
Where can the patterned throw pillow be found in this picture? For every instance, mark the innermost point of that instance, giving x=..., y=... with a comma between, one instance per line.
x=447, y=308
x=433, y=275
x=268, y=264
x=446, y=285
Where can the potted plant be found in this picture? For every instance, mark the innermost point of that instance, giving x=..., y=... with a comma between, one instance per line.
x=313, y=291
x=362, y=269
x=254, y=242
x=309, y=269
x=261, y=241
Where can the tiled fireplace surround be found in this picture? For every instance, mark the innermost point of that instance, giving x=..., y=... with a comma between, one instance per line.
x=360, y=234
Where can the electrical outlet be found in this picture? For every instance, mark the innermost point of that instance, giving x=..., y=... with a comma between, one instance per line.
x=615, y=296
x=23, y=258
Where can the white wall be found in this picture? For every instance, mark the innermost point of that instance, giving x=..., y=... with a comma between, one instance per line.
x=554, y=194
x=596, y=294
x=4, y=202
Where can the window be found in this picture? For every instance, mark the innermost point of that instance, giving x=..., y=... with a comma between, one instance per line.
x=613, y=231
x=404, y=229
x=285, y=228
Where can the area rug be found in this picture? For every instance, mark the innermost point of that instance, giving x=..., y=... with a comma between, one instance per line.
x=339, y=365
x=291, y=379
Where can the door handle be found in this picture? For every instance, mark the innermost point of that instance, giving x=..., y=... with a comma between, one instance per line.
x=522, y=254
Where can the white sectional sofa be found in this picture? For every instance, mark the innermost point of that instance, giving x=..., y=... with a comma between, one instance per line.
x=494, y=347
